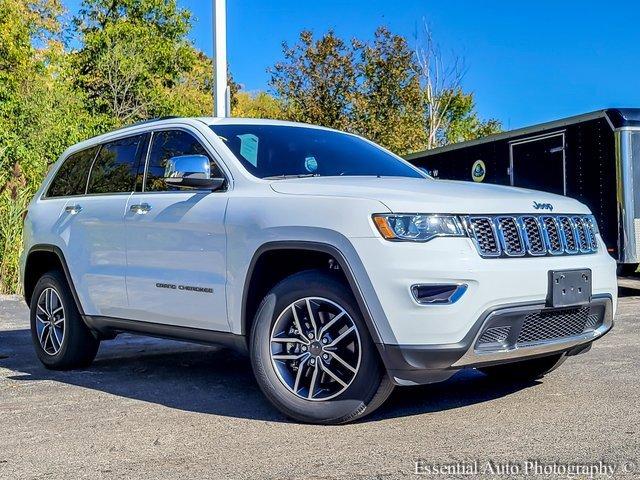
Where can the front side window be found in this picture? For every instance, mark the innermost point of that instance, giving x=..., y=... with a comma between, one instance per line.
x=279, y=151
x=71, y=177
x=168, y=144
x=116, y=166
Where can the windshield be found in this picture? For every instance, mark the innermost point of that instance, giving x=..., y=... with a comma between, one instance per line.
x=280, y=151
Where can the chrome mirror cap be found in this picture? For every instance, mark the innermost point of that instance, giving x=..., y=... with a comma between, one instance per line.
x=192, y=171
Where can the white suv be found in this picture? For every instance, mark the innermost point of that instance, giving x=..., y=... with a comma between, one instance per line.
x=342, y=269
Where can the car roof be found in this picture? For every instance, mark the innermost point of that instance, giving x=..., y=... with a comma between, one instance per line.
x=259, y=121
x=142, y=126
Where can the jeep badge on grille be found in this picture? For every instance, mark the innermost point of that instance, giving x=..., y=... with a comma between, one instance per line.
x=543, y=206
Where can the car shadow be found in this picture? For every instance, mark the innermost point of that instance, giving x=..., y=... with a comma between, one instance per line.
x=216, y=381
x=627, y=292
x=629, y=285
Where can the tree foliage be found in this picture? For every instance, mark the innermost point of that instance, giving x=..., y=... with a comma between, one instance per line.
x=134, y=53
x=133, y=62
x=315, y=81
x=387, y=99
x=41, y=113
x=257, y=105
x=406, y=100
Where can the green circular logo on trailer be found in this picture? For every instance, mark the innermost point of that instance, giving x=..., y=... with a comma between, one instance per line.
x=478, y=171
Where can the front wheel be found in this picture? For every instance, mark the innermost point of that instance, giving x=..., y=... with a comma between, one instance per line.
x=311, y=352
x=526, y=369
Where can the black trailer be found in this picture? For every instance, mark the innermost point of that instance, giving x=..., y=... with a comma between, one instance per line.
x=594, y=158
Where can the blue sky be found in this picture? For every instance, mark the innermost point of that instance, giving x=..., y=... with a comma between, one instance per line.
x=527, y=62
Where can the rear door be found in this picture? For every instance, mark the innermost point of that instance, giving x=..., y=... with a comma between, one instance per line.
x=95, y=228
x=176, y=243
x=539, y=163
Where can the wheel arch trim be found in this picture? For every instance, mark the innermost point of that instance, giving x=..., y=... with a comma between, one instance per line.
x=42, y=247
x=313, y=246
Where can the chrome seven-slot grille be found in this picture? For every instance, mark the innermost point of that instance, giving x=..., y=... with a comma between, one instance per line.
x=533, y=235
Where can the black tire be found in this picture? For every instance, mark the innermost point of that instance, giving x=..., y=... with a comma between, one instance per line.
x=78, y=347
x=627, y=269
x=370, y=386
x=527, y=369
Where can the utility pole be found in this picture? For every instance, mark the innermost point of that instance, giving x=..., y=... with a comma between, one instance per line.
x=221, y=94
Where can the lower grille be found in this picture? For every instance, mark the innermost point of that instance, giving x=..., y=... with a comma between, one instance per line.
x=511, y=329
x=593, y=321
x=494, y=335
x=552, y=325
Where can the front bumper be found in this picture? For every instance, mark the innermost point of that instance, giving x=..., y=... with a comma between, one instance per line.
x=393, y=267
x=420, y=364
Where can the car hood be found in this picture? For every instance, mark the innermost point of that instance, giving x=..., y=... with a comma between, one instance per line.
x=432, y=196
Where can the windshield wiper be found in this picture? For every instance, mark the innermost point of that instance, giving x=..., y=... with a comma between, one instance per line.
x=283, y=176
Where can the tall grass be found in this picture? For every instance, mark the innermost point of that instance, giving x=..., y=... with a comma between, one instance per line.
x=14, y=199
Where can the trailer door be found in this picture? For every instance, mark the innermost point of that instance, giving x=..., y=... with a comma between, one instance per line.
x=539, y=163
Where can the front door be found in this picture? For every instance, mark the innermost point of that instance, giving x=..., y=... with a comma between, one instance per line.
x=176, y=244
x=538, y=163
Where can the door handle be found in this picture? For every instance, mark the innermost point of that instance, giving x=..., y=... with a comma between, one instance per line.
x=73, y=209
x=140, y=209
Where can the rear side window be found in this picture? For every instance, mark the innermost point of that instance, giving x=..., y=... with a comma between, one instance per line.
x=71, y=177
x=116, y=166
x=168, y=144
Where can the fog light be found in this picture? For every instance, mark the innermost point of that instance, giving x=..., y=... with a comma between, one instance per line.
x=438, y=293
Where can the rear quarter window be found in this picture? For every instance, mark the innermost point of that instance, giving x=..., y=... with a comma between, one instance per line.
x=71, y=177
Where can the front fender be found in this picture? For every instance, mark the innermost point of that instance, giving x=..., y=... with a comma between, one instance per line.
x=313, y=239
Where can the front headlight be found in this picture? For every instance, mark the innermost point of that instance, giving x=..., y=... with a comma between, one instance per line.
x=418, y=227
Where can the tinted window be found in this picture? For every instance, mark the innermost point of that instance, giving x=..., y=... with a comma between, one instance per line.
x=276, y=150
x=71, y=178
x=116, y=166
x=172, y=143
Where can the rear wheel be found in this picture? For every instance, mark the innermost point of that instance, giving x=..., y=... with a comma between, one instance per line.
x=61, y=339
x=527, y=369
x=312, y=354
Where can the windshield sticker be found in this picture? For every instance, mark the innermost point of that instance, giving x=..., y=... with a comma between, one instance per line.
x=249, y=148
x=311, y=164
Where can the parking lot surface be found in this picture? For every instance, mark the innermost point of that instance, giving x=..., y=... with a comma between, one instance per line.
x=152, y=408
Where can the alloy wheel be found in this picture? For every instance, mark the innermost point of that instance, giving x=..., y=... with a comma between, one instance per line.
x=315, y=348
x=50, y=321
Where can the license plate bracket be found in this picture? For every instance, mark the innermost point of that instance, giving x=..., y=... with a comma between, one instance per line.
x=568, y=288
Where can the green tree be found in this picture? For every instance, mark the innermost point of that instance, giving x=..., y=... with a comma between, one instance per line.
x=406, y=100
x=41, y=113
x=461, y=120
x=258, y=105
x=387, y=105
x=316, y=80
x=133, y=54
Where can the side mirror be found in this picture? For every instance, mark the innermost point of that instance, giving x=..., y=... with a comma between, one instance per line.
x=191, y=171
